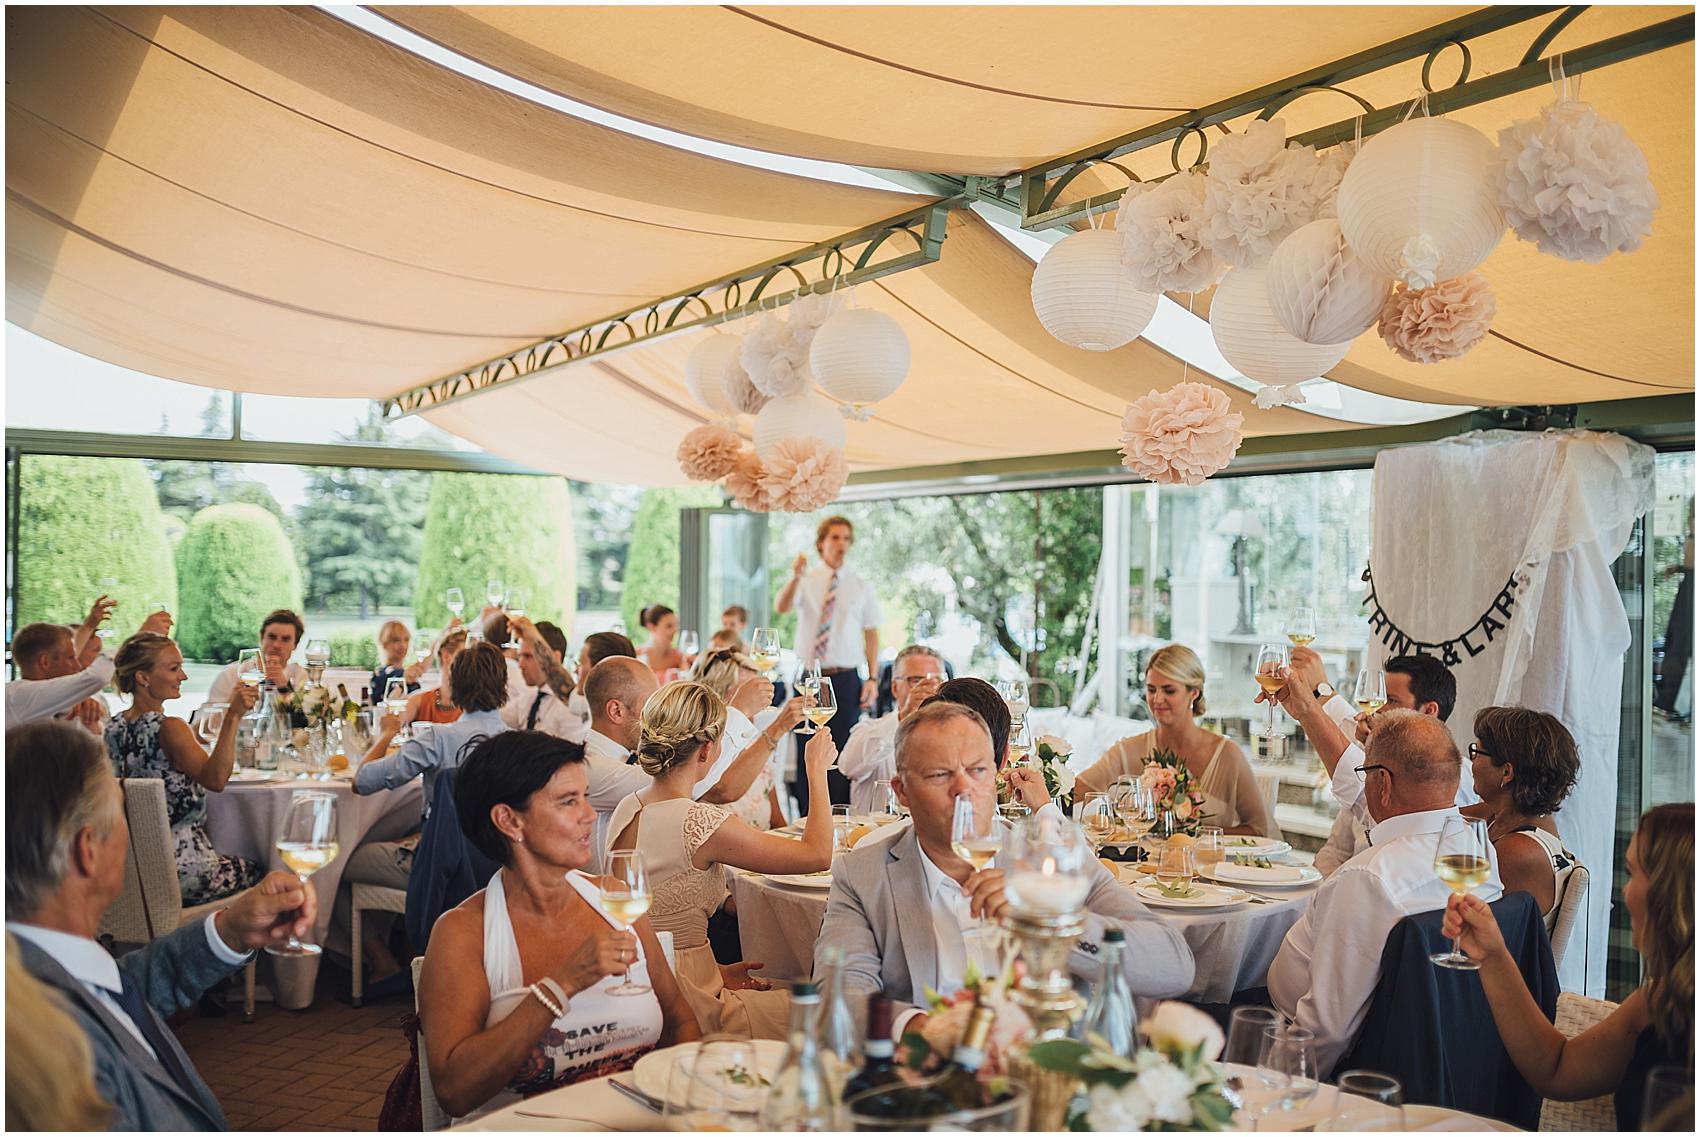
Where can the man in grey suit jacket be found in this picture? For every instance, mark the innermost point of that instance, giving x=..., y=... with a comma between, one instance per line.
x=900, y=901
x=66, y=844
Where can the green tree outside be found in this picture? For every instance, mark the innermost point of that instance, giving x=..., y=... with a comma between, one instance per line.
x=89, y=526
x=236, y=565
x=652, y=563
x=515, y=528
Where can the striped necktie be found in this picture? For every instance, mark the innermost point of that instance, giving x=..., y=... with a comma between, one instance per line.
x=823, y=634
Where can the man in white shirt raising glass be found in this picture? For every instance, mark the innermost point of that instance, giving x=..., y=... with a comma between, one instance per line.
x=837, y=627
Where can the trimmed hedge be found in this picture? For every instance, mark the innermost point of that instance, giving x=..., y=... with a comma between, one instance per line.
x=517, y=528
x=84, y=521
x=652, y=564
x=236, y=565
x=356, y=650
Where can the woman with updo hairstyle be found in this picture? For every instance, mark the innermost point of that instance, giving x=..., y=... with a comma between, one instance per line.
x=663, y=658
x=1174, y=694
x=743, y=777
x=685, y=842
x=1523, y=764
x=144, y=742
x=517, y=979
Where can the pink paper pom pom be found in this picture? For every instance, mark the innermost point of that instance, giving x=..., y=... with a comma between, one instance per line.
x=803, y=474
x=744, y=482
x=1429, y=325
x=1184, y=434
x=707, y=453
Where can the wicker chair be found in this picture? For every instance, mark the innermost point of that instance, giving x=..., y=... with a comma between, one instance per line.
x=431, y=1113
x=1576, y=1013
x=1570, y=905
x=368, y=898
x=152, y=901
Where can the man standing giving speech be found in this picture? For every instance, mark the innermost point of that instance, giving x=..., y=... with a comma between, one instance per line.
x=837, y=627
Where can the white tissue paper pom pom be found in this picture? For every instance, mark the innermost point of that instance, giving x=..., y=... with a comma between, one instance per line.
x=1258, y=190
x=1163, y=248
x=774, y=359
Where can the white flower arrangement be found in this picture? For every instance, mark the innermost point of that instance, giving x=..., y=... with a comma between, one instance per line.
x=1053, y=753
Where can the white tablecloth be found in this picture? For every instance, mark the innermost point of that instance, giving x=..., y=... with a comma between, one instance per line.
x=1232, y=949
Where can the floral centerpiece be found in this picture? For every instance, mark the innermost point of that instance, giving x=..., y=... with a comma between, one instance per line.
x=313, y=707
x=1053, y=754
x=1172, y=1083
x=1171, y=785
x=927, y=1049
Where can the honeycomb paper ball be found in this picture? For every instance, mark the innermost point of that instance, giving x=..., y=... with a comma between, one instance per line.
x=1250, y=338
x=1320, y=290
x=1084, y=296
x=1419, y=203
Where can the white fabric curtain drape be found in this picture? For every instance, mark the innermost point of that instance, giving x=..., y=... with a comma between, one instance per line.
x=1453, y=521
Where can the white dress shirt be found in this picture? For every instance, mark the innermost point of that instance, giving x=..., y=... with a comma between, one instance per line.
x=90, y=964
x=951, y=921
x=868, y=758
x=734, y=740
x=579, y=706
x=1326, y=971
x=30, y=699
x=854, y=610
x=553, y=715
x=612, y=779
x=225, y=681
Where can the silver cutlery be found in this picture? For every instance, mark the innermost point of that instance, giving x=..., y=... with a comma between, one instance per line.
x=650, y=1103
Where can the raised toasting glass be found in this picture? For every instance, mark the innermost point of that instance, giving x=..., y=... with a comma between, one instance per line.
x=808, y=685
x=688, y=644
x=1370, y=694
x=251, y=667
x=395, y=697
x=625, y=897
x=975, y=837
x=764, y=649
x=1014, y=692
x=1461, y=859
x=1020, y=743
x=1271, y=676
x=456, y=601
x=516, y=607
x=306, y=843
x=495, y=592
x=1301, y=627
x=822, y=705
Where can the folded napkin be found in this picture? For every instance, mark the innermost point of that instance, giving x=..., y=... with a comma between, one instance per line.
x=1252, y=873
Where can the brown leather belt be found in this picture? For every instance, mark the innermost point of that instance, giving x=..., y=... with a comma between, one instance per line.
x=840, y=670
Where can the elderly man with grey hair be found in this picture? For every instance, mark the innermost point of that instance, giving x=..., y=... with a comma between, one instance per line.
x=1326, y=971
x=902, y=902
x=66, y=843
x=869, y=756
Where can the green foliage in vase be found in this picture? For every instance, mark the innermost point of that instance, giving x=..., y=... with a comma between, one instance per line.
x=510, y=527
x=236, y=565
x=652, y=561
x=89, y=526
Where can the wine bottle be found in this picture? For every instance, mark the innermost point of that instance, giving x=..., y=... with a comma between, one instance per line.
x=1110, y=1014
x=800, y=1099
x=879, y=1053
x=959, y=1082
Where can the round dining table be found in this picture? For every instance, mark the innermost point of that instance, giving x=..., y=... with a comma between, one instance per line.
x=244, y=819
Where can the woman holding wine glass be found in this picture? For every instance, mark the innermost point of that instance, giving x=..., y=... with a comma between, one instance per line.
x=1653, y=1027
x=519, y=974
x=1174, y=693
x=747, y=772
x=685, y=842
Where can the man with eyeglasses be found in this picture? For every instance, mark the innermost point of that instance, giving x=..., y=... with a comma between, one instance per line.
x=870, y=755
x=1339, y=734
x=1325, y=974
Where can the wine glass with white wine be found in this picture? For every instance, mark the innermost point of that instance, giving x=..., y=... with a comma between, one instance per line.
x=823, y=704
x=624, y=896
x=251, y=667
x=974, y=836
x=456, y=601
x=306, y=843
x=764, y=650
x=1271, y=676
x=1461, y=860
x=1098, y=820
x=1371, y=692
x=1301, y=627
x=1020, y=743
x=395, y=697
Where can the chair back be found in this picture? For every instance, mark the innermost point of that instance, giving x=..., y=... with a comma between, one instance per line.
x=1576, y=1013
x=1432, y=1028
x=431, y=1113
x=1571, y=905
x=152, y=901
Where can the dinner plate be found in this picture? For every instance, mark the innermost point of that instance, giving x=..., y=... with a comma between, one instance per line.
x=821, y=880
x=1278, y=876
x=653, y=1072
x=1241, y=845
x=256, y=776
x=1208, y=896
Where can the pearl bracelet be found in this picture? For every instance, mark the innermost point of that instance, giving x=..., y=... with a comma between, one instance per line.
x=549, y=1004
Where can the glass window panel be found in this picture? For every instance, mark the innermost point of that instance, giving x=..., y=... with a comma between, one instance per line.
x=54, y=388
x=280, y=418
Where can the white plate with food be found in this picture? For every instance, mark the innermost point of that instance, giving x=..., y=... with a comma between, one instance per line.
x=1196, y=896
x=1246, y=845
x=1263, y=875
x=653, y=1073
x=821, y=880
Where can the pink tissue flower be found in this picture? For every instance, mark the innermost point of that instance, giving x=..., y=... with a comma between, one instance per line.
x=1184, y=434
x=709, y=452
x=1429, y=325
x=803, y=474
x=744, y=482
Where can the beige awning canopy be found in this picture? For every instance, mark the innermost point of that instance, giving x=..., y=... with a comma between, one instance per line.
x=272, y=200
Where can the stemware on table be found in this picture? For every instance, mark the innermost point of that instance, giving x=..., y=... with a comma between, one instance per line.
x=1365, y=1102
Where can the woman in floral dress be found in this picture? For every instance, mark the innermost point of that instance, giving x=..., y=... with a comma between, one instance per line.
x=145, y=742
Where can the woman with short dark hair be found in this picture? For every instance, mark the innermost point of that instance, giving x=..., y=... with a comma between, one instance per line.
x=478, y=679
x=519, y=974
x=1524, y=763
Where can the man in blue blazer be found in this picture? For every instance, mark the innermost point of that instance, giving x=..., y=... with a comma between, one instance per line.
x=66, y=844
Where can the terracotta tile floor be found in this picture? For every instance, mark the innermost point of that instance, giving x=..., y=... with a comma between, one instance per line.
x=326, y=1068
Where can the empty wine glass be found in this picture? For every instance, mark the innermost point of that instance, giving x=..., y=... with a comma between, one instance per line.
x=717, y=1086
x=306, y=843
x=688, y=644
x=495, y=592
x=456, y=601
x=1288, y=1065
x=1301, y=626
x=624, y=895
x=1370, y=694
x=1365, y=1102
x=1271, y=676
x=1245, y=1048
x=1461, y=859
x=1098, y=820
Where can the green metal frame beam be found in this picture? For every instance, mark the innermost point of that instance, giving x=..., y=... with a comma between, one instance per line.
x=868, y=253
x=247, y=450
x=1039, y=186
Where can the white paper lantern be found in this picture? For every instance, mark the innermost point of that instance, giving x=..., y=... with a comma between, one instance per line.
x=1418, y=203
x=704, y=369
x=860, y=356
x=1320, y=290
x=1085, y=297
x=805, y=415
x=1250, y=338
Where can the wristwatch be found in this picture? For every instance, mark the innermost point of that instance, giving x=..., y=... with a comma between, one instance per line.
x=1324, y=691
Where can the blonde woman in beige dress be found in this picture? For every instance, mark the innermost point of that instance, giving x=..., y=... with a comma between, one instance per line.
x=1174, y=692
x=685, y=843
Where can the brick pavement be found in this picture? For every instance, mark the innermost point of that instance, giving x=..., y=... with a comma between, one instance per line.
x=326, y=1068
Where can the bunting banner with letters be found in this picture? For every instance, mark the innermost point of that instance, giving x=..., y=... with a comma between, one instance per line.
x=1467, y=644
